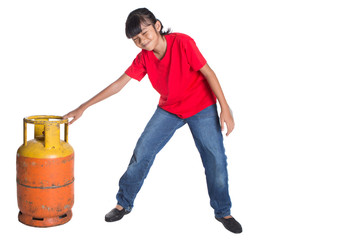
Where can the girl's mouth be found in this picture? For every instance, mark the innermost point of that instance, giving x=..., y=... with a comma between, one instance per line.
x=145, y=45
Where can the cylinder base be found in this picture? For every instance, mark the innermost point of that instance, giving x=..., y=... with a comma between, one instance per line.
x=44, y=222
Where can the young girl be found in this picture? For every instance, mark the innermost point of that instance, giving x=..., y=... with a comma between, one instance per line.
x=189, y=89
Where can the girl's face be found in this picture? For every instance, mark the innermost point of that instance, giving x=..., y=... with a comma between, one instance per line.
x=149, y=37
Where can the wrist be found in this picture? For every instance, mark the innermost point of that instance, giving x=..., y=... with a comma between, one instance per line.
x=84, y=106
x=224, y=106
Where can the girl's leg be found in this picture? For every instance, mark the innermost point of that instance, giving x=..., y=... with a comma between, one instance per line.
x=205, y=127
x=157, y=133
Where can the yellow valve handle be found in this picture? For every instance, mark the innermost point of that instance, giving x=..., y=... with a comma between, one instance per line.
x=50, y=124
x=43, y=119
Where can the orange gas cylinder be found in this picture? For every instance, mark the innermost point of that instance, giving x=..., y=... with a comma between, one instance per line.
x=45, y=174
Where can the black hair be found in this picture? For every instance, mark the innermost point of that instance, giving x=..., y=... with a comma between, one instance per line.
x=138, y=17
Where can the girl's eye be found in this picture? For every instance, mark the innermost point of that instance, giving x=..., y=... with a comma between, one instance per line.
x=144, y=33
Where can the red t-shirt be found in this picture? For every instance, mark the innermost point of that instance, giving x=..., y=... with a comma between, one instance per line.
x=183, y=88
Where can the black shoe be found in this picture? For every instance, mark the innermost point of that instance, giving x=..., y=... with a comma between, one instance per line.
x=230, y=224
x=115, y=215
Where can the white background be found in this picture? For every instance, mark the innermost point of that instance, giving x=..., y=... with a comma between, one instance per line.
x=286, y=68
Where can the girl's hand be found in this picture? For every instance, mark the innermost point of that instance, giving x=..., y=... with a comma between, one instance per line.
x=226, y=117
x=75, y=114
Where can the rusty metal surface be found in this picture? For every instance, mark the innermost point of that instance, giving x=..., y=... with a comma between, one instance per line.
x=45, y=174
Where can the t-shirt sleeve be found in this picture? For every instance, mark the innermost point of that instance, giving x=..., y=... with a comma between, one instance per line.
x=137, y=69
x=194, y=56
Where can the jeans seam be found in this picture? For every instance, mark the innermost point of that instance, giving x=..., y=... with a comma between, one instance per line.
x=158, y=145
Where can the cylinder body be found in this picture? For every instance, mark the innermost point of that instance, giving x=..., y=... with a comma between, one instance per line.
x=45, y=175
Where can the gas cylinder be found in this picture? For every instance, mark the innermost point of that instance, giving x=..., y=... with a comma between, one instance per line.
x=45, y=173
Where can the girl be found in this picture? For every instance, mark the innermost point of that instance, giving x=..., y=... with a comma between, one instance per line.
x=188, y=90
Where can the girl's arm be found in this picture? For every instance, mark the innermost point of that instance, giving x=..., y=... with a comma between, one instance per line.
x=225, y=114
x=112, y=89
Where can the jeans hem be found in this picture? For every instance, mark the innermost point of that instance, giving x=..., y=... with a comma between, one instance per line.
x=129, y=209
x=223, y=215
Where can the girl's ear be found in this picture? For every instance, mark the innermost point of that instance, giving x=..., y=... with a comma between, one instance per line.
x=158, y=26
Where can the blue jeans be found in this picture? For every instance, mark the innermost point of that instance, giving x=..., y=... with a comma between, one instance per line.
x=205, y=128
